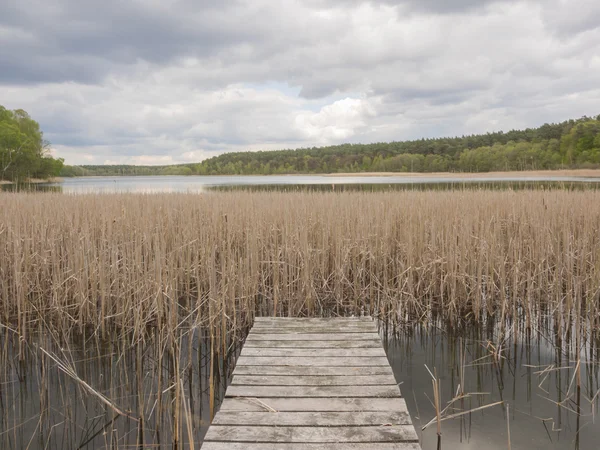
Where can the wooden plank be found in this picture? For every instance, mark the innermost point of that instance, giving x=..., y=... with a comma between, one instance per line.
x=312, y=418
x=313, y=330
x=312, y=391
x=314, y=404
x=369, y=361
x=370, y=343
x=317, y=320
x=297, y=324
x=312, y=370
x=362, y=324
x=308, y=352
x=307, y=446
x=396, y=433
x=274, y=380
x=312, y=337
x=368, y=324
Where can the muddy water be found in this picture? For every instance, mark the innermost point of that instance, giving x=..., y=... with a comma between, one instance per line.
x=45, y=407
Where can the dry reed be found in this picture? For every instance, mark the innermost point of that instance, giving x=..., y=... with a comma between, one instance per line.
x=132, y=261
x=117, y=266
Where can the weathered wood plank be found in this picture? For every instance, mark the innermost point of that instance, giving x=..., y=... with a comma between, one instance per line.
x=308, y=352
x=312, y=337
x=369, y=343
x=295, y=323
x=396, y=433
x=312, y=391
x=284, y=404
x=274, y=380
x=312, y=418
x=317, y=320
x=313, y=370
x=351, y=325
x=308, y=446
x=368, y=361
x=314, y=330
x=260, y=321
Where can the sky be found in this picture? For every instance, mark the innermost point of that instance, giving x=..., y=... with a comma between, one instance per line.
x=178, y=81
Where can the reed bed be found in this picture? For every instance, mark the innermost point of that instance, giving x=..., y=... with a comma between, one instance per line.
x=158, y=277
x=133, y=261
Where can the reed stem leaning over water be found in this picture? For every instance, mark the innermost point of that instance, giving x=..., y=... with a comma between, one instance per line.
x=133, y=261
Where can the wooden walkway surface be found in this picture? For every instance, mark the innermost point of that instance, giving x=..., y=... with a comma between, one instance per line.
x=312, y=384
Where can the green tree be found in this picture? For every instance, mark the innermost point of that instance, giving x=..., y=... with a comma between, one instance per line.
x=23, y=150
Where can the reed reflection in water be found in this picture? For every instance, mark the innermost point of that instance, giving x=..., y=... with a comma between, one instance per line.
x=533, y=373
x=165, y=393
x=90, y=394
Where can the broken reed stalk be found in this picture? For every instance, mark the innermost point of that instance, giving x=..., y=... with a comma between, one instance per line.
x=436, y=397
x=435, y=382
x=69, y=371
x=508, y=425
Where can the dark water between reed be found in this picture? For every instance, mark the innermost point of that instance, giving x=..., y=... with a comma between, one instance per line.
x=45, y=407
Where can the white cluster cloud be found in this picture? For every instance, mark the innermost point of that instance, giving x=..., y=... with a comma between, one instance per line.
x=160, y=82
x=336, y=122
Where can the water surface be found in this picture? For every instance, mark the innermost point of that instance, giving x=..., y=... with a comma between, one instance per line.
x=42, y=407
x=533, y=375
x=195, y=184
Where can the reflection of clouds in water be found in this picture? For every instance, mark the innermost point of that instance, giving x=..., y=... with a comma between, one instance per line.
x=134, y=189
x=134, y=185
x=197, y=184
x=532, y=377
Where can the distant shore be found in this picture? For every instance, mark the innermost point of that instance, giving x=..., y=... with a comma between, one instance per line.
x=584, y=173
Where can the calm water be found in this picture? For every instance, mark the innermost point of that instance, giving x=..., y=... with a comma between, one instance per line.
x=42, y=407
x=154, y=184
x=534, y=376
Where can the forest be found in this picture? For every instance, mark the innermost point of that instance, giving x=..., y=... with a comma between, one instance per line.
x=24, y=154
x=569, y=144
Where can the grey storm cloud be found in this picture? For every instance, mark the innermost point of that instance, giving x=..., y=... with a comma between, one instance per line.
x=82, y=41
x=159, y=81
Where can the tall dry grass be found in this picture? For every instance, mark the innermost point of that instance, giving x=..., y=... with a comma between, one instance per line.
x=133, y=261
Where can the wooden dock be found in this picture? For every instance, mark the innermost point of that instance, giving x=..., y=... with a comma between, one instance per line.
x=312, y=384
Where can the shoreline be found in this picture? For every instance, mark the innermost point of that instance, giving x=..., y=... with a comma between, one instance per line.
x=35, y=181
x=583, y=173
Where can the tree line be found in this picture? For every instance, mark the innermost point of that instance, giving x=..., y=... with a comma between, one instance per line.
x=569, y=144
x=24, y=154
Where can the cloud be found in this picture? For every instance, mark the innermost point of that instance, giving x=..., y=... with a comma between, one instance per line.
x=336, y=122
x=181, y=80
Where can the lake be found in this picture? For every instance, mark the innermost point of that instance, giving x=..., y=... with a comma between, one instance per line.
x=195, y=184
